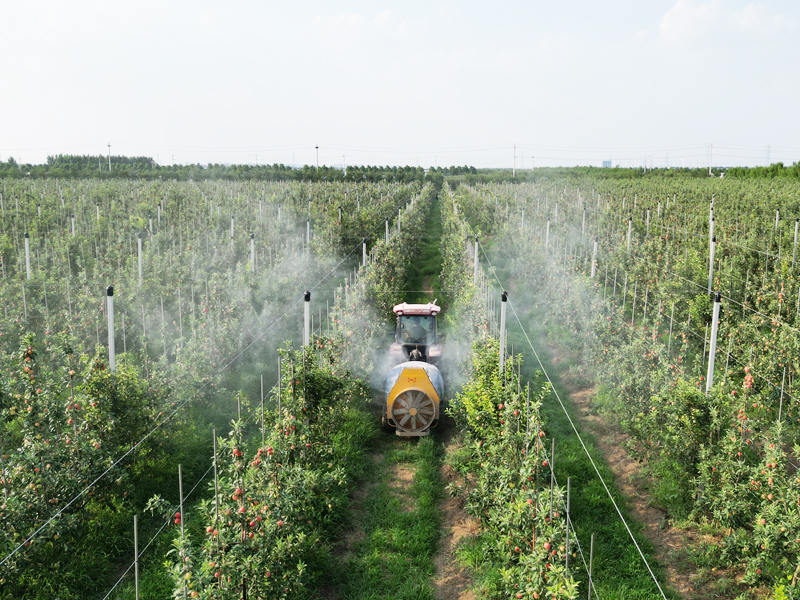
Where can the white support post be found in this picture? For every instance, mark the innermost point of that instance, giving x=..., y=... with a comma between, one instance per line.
x=711, y=251
x=182, y=517
x=387, y=230
x=97, y=210
x=308, y=230
x=547, y=235
x=139, y=246
x=364, y=252
x=231, y=226
x=136, y=556
x=630, y=228
x=713, y=350
x=794, y=248
x=583, y=223
x=475, y=273
x=253, y=250
x=504, y=298
x=73, y=225
x=594, y=258
x=112, y=349
x=307, y=318
x=398, y=219
x=27, y=255
x=150, y=219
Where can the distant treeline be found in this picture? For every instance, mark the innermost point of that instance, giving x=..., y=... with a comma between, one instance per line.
x=144, y=167
x=774, y=170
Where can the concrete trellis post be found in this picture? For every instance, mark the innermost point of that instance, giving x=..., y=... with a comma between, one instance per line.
x=231, y=227
x=136, y=556
x=150, y=219
x=794, y=247
x=475, y=273
x=713, y=349
x=139, y=246
x=566, y=564
x=364, y=252
x=308, y=230
x=112, y=349
x=711, y=251
x=504, y=298
x=591, y=565
x=547, y=235
x=387, y=230
x=72, y=217
x=27, y=255
x=594, y=258
x=253, y=250
x=630, y=228
x=583, y=223
x=307, y=318
x=671, y=316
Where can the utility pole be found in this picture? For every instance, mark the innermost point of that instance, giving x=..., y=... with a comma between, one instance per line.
x=710, y=158
x=109, y=157
x=317, y=147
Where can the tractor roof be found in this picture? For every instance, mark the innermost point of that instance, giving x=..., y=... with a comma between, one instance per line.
x=417, y=309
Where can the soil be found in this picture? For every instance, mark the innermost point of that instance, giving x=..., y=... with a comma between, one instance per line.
x=630, y=478
x=452, y=581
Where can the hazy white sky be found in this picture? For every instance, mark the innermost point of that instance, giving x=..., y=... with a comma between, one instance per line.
x=433, y=82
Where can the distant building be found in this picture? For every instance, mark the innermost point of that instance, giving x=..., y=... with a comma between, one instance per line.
x=606, y=164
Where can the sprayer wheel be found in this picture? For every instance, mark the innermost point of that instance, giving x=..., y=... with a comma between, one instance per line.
x=385, y=424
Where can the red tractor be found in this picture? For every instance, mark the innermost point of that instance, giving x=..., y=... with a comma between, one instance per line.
x=414, y=388
x=416, y=336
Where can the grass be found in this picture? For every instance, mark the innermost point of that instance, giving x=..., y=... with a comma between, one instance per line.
x=427, y=269
x=401, y=526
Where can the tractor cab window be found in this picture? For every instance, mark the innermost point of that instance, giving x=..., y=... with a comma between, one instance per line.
x=414, y=329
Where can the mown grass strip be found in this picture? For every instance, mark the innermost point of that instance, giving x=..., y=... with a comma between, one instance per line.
x=427, y=269
x=401, y=525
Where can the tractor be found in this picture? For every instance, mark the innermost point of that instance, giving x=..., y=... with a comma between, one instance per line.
x=414, y=388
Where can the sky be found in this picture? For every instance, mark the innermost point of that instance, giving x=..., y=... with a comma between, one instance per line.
x=429, y=83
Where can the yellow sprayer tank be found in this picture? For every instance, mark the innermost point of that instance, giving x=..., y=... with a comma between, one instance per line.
x=414, y=390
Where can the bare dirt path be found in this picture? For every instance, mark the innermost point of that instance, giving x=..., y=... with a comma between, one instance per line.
x=630, y=478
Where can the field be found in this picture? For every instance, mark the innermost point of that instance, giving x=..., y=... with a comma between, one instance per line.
x=253, y=466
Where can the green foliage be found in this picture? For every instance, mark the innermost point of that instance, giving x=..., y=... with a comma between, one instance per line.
x=501, y=474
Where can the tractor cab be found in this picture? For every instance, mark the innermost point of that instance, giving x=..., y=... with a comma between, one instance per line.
x=416, y=337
